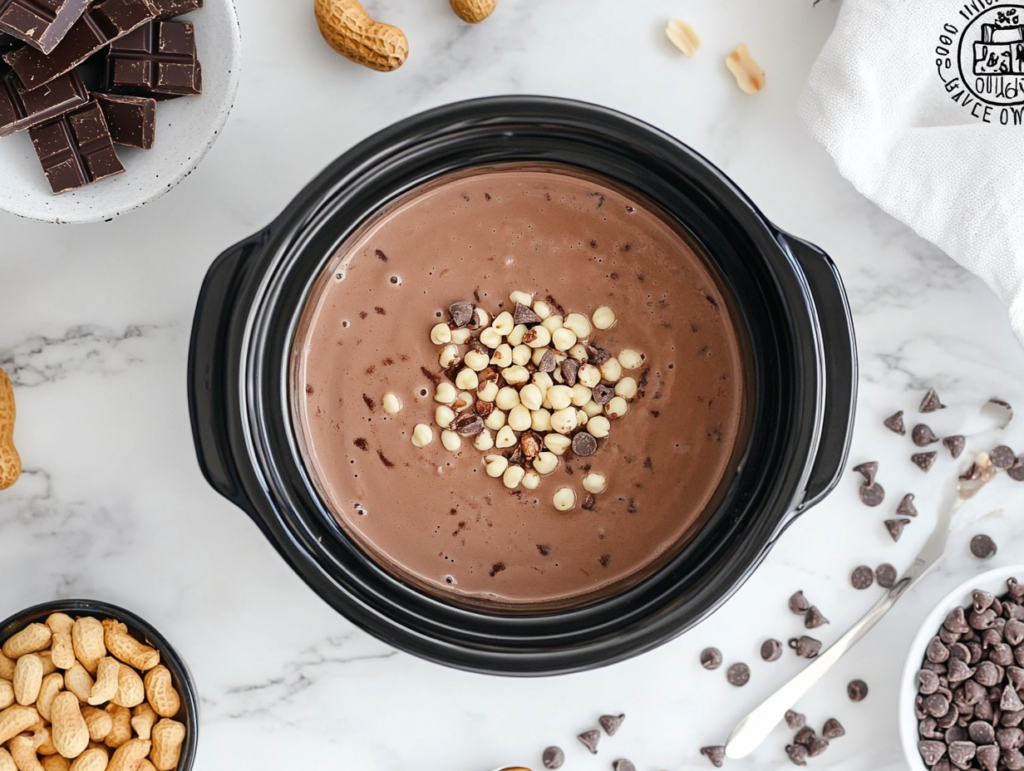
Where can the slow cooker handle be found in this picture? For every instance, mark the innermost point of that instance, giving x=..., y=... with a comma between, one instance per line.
x=213, y=366
x=840, y=367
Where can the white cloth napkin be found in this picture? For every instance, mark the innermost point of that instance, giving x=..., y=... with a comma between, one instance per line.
x=877, y=99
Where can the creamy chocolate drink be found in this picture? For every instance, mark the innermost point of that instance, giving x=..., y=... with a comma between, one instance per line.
x=434, y=517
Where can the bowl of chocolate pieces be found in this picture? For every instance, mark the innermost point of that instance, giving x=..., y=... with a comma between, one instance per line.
x=106, y=105
x=961, y=703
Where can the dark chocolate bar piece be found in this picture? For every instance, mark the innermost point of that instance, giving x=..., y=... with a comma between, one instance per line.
x=76, y=149
x=103, y=22
x=166, y=9
x=40, y=23
x=21, y=109
x=157, y=58
x=131, y=119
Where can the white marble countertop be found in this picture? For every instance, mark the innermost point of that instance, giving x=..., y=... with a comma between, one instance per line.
x=94, y=325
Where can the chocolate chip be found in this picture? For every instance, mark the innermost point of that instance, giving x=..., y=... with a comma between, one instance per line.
x=924, y=460
x=983, y=547
x=895, y=423
x=931, y=402
x=907, y=507
x=553, y=757
x=805, y=736
x=886, y=575
x=1010, y=701
x=895, y=527
x=547, y=362
x=623, y=765
x=937, y=651
x=814, y=619
x=833, y=729
x=955, y=445
x=584, y=444
x=711, y=658
x=462, y=313
x=981, y=732
x=988, y=757
x=798, y=604
x=570, y=368
x=602, y=394
x=956, y=621
x=795, y=720
x=597, y=356
x=1012, y=760
x=715, y=754
x=923, y=435
x=797, y=754
x=1009, y=738
x=936, y=705
x=611, y=723
x=871, y=495
x=524, y=315
x=927, y=682
x=931, y=751
x=1016, y=471
x=468, y=425
x=817, y=747
x=590, y=740
x=805, y=647
x=867, y=470
x=857, y=690
x=771, y=650
x=958, y=671
x=1014, y=632
x=1002, y=457
x=738, y=675
x=962, y=753
x=862, y=577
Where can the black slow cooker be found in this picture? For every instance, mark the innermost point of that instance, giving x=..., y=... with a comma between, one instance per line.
x=789, y=300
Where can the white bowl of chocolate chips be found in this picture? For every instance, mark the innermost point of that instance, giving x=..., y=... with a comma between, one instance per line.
x=117, y=112
x=960, y=693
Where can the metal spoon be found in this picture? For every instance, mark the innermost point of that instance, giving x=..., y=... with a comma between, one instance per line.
x=755, y=727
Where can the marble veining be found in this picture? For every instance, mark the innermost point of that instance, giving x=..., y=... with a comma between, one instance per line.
x=94, y=327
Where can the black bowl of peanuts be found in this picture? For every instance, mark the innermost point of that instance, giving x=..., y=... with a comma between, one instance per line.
x=91, y=684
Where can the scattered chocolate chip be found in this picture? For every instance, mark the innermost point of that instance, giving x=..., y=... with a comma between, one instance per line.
x=715, y=754
x=833, y=729
x=886, y=575
x=738, y=675
x=907, y=507
x=931, y=751
x=955, y=445
x=805, y=736
x=597, y=356
x=547, y=362
x=962, y=753
x=590, y=740
x=611, y=723
x=1016, y=471
x=711, y=658
x=983, y=547
x=584, y=444
x=923, y=435
x=895, y=527
x=805, y=647
x=553, y=757
x=462, y=313
x=957, y=671
x=988, y=757
x=937, y=705
x=602, y=394
x=798, y=604
x=524, y=315
x=817, y=747
x=895, y=423
x=1010, y=700
x=795, y=720
x=623, y=765
x=981, y=732
x=924, y=460
x=867, y=470
x=871, y=495
x=570, y=368
x=862, y=577
x=797, y=754
x=931, y=402
x=771, y=650
x=814, y=619
x=1002, y=457
x=857, y=690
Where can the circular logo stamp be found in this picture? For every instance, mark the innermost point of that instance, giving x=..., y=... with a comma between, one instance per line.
x=981, y=60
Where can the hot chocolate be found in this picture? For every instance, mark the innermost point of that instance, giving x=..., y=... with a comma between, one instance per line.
x=433, y=516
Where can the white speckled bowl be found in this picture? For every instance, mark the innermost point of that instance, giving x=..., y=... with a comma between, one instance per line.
x=993, y=581
x=185, y=129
